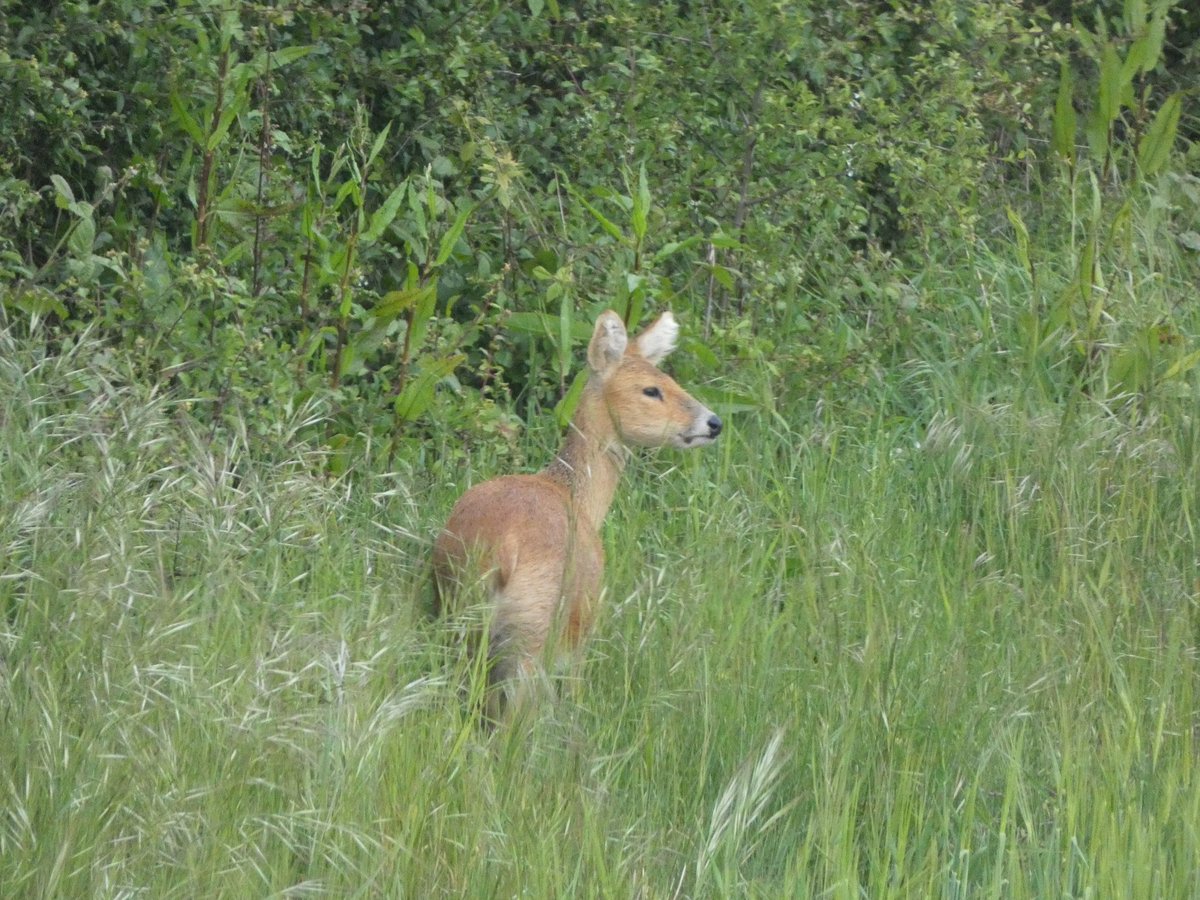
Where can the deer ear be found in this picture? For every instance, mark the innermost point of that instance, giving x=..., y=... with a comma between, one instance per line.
x=658, y=340
x=608, y=344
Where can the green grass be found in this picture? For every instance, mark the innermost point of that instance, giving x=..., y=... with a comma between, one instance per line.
x=947, y=654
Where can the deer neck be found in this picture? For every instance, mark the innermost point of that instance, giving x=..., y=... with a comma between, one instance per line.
x=591, y=458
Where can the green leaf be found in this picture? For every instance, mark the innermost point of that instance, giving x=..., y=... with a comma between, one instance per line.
x=418, y=394
x=383, y=216
x=37, y=301
x=703, y=353
x=1022, y=234
x=604, y=221
x=1065, y=120
x=285, y=56
x=82, y=238
x=565, y=322
x=393, y=303
x=422, y=312
x=63, y=195
x=380, y=140
x=636, y=304
x=1113, y=83
x=1155, y=36
x=641, y=205
x=673, y=247
x=1089, y=279
x=185, y=119
x=1154, y=149
x=723, y=276
x=1182, y=366
x=1134, y=14
x=545, y=325
x=348, y=189
x=565, y=408
x=728, y=401
x=535, y=7
x=235, y=108
x=453, y=233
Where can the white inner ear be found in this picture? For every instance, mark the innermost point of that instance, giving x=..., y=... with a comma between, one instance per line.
x=659, y=339
x=608, y=343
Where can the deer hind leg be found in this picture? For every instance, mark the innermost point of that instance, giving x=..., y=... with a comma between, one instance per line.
x=524, y=631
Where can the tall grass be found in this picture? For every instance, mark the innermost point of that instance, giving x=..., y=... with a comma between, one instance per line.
x=950, y=652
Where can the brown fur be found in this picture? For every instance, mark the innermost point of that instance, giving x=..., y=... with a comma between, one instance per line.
x=533, y=541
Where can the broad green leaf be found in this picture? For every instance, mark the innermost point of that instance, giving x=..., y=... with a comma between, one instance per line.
x=727, y=401
x=545, y=325
x=673, y=247
x=422, y=311
x=565, y=324
x=1064, y=117
x=39, y=302
x=565, y=408
x=694, y=347
x=264, y=62
x=82, y=238
x=1155, y=147
x=418, y=394
x=1120, y=222
x=417, y=220
x=641, y=205
x=723, y=276
x=1182, y=366
x=1022, y=234
x=1134, y=14
x=450, y=238
x=725, y=242
x=315, y=166
x=393, y=303
x=186, y=120
x=348, y=189
x=604, y=221
x=383, y=216
x=1139, y=57
x=348, y=362
x=380, y=140
x=1085, y=272
x=63, y=195
x=236, y=107
x=1155, y=36
x=636, y=304
x=1112, y=85
x=531, y=323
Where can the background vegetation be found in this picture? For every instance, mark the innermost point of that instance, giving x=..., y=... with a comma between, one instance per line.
x=278, y=280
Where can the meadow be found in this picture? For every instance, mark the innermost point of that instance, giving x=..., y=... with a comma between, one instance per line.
x=951, y=654
x=279, y=280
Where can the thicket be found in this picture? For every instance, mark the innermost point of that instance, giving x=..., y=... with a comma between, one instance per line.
x=411, y=211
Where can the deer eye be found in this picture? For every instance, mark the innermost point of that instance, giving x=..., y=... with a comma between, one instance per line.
x=652, y=392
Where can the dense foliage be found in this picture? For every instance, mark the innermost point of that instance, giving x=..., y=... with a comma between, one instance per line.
x=255, y=203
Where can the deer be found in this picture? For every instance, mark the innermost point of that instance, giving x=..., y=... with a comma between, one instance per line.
x=529, y=544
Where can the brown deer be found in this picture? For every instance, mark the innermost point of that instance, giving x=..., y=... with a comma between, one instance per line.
x=532, y=542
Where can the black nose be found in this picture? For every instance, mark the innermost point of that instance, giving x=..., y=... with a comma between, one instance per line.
x=714, y=426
